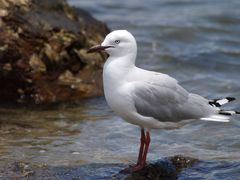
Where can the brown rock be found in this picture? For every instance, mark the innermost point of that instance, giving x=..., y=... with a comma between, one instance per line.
x=43, y=48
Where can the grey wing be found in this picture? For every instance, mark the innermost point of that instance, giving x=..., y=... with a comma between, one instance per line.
x=169, y=102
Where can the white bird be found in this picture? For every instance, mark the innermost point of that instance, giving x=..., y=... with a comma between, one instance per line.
x=149, y=99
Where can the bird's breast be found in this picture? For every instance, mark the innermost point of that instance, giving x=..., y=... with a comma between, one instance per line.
x=114, y=77
x=118, y=101
x=116, y=94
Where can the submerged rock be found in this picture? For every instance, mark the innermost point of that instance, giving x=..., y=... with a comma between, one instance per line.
x=43, y=55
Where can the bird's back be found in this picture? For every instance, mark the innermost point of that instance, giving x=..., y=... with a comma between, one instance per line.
x=160, y=96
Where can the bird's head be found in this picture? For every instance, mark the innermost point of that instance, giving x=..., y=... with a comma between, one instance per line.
x=117, y=43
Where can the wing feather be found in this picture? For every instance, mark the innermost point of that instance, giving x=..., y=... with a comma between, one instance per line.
x=165, y=100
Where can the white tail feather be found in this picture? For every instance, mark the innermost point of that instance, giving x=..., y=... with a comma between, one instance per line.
x=216, y=118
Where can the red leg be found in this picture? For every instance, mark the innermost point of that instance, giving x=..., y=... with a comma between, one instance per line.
x=147, y=143
x=142, y=140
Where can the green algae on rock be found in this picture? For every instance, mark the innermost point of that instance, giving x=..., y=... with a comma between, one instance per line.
x=43, y=55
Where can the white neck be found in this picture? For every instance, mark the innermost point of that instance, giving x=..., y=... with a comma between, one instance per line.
x=121, y=62
x=116, y=68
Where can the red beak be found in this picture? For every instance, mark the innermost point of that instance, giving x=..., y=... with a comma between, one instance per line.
x=98, y=48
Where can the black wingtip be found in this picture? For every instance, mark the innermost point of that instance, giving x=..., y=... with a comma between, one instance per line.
x=228, y=112
x=230, y=99
x=214, y=104
x=218, y=103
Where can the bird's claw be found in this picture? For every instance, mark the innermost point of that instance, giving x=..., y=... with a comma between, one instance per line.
x=132, y=168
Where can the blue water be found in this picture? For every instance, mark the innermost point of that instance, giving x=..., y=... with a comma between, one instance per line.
x=197, y=42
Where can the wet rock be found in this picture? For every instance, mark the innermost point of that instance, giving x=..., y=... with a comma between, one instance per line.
x=155, y=170
x=164, y=169
x=43, y=48
x=17, y=170
x=181, y=162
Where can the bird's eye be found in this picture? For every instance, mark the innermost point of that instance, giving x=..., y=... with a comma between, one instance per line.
x=117, y=41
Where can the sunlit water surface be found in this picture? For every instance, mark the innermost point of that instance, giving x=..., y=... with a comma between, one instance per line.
x=197, y=42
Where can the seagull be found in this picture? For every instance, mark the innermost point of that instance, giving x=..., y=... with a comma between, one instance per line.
x=148, y=99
